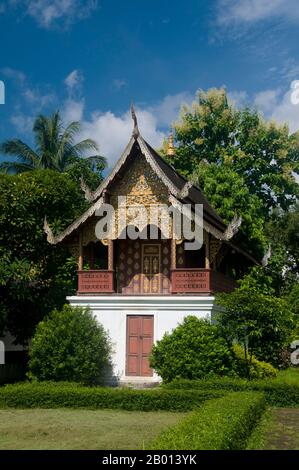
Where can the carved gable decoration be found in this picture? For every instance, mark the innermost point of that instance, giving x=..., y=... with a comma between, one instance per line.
x=140, y=185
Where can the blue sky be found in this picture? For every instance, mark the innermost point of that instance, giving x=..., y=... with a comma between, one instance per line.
x=90, y=58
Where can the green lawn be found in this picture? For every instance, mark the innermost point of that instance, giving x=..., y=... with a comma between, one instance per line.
x=290, y=376
x=81, y=429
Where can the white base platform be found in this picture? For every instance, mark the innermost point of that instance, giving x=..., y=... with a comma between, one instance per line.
x=112, y=310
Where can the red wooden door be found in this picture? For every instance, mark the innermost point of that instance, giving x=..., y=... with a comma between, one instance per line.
x=139, y=344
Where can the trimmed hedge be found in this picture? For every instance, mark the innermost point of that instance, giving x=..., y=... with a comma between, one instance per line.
x=222, y=424
x=69, y=395
x=217, y=383
x=277, y=392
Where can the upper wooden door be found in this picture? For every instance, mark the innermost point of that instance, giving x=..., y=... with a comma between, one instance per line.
x=139, y=344
x=133, y=258
x=151, y=268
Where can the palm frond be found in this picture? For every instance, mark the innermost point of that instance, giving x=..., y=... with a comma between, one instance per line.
x=18, y=148
x=85, y=145
x=14, y=167
x=97, y=159
x=42, y=135
x=70, y=131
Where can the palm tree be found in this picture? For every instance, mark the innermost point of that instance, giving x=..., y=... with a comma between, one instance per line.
x=55, y=147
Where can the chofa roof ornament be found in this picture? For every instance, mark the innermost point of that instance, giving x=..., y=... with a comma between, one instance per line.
x=267, y=256
x=49, y=233
x=88, y=194
x=232, y=227
x=185, y=190
x=135, y=132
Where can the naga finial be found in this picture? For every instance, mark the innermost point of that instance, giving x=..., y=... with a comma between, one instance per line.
x=134, y=117
x=232, y=227
x=88, y=194
x=48, y=232
x=267, y=256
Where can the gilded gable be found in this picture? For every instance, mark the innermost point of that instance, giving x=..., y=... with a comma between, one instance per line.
x=140, y=185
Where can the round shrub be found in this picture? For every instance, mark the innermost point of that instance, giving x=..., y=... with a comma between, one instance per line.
x=194, y=349
x=69, y=345
x=252, y=368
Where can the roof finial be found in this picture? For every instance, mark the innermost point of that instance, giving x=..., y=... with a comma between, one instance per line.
x=48, y=232
x=267, y=256
x=170, y=146
x=232, y=227
x=134, y=117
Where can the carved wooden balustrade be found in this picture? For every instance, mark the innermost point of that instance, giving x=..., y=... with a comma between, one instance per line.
x=95, y=282
x=194, y=281
x=183, y=281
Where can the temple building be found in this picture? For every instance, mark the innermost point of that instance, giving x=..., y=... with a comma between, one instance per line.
x=139, y=288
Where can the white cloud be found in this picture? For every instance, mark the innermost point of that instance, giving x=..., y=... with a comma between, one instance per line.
x=22, y=123
x=237, y=98
x=35, y=97
x=112, y=132
x=32, y=96
x=118, y=84
x=285, y=111
x=278, y=106
x=290, y=69
x=72, y=111
x=52, y=13
x=14, y=74
x=250, y=11
x=167, y=110
x=266, y=100
x=74, y=80
x=29, y=101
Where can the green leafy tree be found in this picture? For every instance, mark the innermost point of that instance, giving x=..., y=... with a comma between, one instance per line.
x=263, y=154
x=293, y=298
x=283, y=233
x=69, y=345
x=55, y=149
x=257, y=319
x=34, y=276
x=227, y=192
x=194, y=349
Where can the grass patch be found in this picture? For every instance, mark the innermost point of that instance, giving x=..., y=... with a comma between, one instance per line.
x=81, y=429
x=278, y=430
x=221, y=424
x=289, y=376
